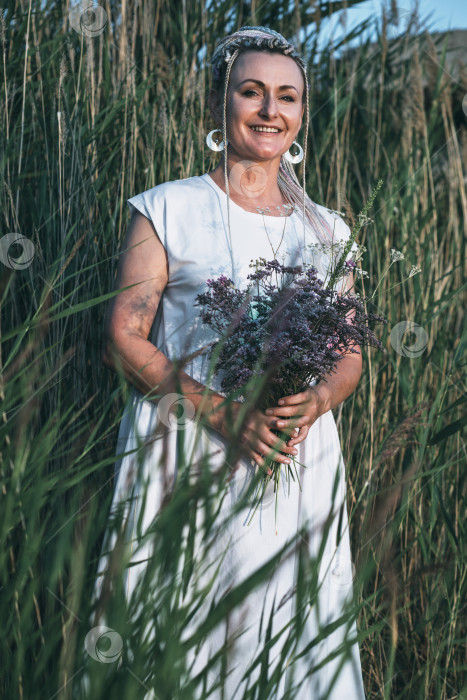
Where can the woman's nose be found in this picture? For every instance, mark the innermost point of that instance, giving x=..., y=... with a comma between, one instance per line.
x=269, y=107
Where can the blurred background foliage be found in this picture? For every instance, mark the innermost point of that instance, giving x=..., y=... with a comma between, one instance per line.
x=95, y=113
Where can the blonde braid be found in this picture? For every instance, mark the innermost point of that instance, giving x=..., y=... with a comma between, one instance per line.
x=305, y=145
x=224, y=133
x=290, y=185
x=288, y=167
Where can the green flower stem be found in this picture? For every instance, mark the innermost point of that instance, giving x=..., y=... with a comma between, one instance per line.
x=353, y=234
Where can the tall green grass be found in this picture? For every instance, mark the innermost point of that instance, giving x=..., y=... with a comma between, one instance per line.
x=86, y=123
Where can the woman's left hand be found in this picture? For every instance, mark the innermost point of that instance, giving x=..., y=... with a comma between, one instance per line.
x=301, y=410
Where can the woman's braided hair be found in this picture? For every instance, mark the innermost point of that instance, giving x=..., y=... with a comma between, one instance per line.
x=225, y=53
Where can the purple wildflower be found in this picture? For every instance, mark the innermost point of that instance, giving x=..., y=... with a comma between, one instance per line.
x=297, y=333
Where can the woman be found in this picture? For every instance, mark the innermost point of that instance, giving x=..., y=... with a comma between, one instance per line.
x=181, y=234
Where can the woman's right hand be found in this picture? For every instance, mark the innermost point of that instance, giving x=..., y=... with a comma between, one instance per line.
x=256, y=436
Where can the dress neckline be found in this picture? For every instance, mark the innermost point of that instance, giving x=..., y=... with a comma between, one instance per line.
x=216, y=187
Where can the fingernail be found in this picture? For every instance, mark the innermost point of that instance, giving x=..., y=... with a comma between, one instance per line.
x=280, y=402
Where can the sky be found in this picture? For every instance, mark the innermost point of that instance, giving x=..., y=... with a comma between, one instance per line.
x=448, y=14
x=435, y=15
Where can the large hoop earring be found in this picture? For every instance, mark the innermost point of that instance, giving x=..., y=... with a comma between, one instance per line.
x=294, y=158
x=215, y=145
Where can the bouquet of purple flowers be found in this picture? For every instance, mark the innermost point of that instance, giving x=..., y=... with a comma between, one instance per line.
x=290, y=331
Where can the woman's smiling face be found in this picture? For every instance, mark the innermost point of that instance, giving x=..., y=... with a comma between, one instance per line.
x=264, y=105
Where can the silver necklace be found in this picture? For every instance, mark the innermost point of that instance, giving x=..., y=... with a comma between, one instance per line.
x=261, y=211
x=227, y=191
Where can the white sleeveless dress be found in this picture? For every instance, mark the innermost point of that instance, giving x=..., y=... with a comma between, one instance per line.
x=190, y=217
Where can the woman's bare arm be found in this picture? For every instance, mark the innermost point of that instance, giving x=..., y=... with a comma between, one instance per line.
x=130, y=315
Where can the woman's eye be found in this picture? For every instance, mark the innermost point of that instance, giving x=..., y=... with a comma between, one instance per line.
x=288, y=98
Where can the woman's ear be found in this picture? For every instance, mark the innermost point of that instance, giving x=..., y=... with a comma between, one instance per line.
x=215, y=106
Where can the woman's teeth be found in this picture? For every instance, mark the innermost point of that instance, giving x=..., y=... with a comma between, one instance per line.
x=268, y=129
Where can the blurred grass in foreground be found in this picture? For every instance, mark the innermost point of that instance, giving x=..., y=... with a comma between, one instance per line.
x=88, y=121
